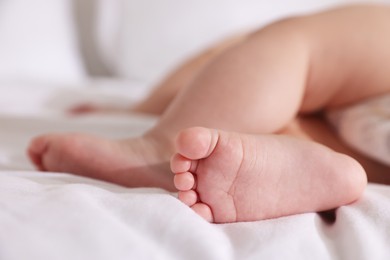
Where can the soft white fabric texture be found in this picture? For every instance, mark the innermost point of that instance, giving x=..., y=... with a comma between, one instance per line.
x=366, y=127
x=37, y=42
x=61, y=216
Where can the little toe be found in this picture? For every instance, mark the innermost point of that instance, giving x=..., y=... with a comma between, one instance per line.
x=188, y=197
x=204, y=211
x=180, y=164
x=196, y=142
x=184, y=181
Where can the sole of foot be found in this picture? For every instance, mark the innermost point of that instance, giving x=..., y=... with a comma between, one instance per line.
x=230, y=177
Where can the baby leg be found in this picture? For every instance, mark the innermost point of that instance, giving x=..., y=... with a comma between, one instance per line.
x=218, y=98
x=257, y=86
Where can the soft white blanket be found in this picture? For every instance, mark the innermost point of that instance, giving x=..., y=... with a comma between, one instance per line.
x=62, y=216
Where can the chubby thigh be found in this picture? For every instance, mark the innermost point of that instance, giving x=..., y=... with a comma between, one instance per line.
x=349, y=55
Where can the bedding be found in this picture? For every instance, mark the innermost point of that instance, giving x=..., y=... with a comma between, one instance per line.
x=47, y=215
x=38, y=42
x=366, y=127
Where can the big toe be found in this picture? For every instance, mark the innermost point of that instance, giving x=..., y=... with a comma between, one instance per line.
x=196, y=142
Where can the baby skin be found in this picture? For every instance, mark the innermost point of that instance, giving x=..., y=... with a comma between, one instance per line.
x=263, y=178
x=261, y=163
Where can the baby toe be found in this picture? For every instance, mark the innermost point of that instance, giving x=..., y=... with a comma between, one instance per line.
x=204, y=211
x=180, y=164
x=188, y=197
x=184, y=181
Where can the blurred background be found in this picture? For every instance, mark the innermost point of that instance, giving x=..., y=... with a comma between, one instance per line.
x=70, y=42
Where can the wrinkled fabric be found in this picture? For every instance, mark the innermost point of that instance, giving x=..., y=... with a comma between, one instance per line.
x=54, y=216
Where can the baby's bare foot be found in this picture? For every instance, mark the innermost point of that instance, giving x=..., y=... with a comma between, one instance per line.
x=230, y=177
x=138, y=162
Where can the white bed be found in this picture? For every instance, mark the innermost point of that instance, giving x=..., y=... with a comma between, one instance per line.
x=63, y=216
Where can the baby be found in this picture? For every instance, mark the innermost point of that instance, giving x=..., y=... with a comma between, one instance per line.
x=246, y=130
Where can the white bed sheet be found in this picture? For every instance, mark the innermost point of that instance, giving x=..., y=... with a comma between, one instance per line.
x=62, y=216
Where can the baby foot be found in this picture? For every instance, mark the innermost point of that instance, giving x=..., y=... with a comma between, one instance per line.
x=138, y=162
x=231, y=177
